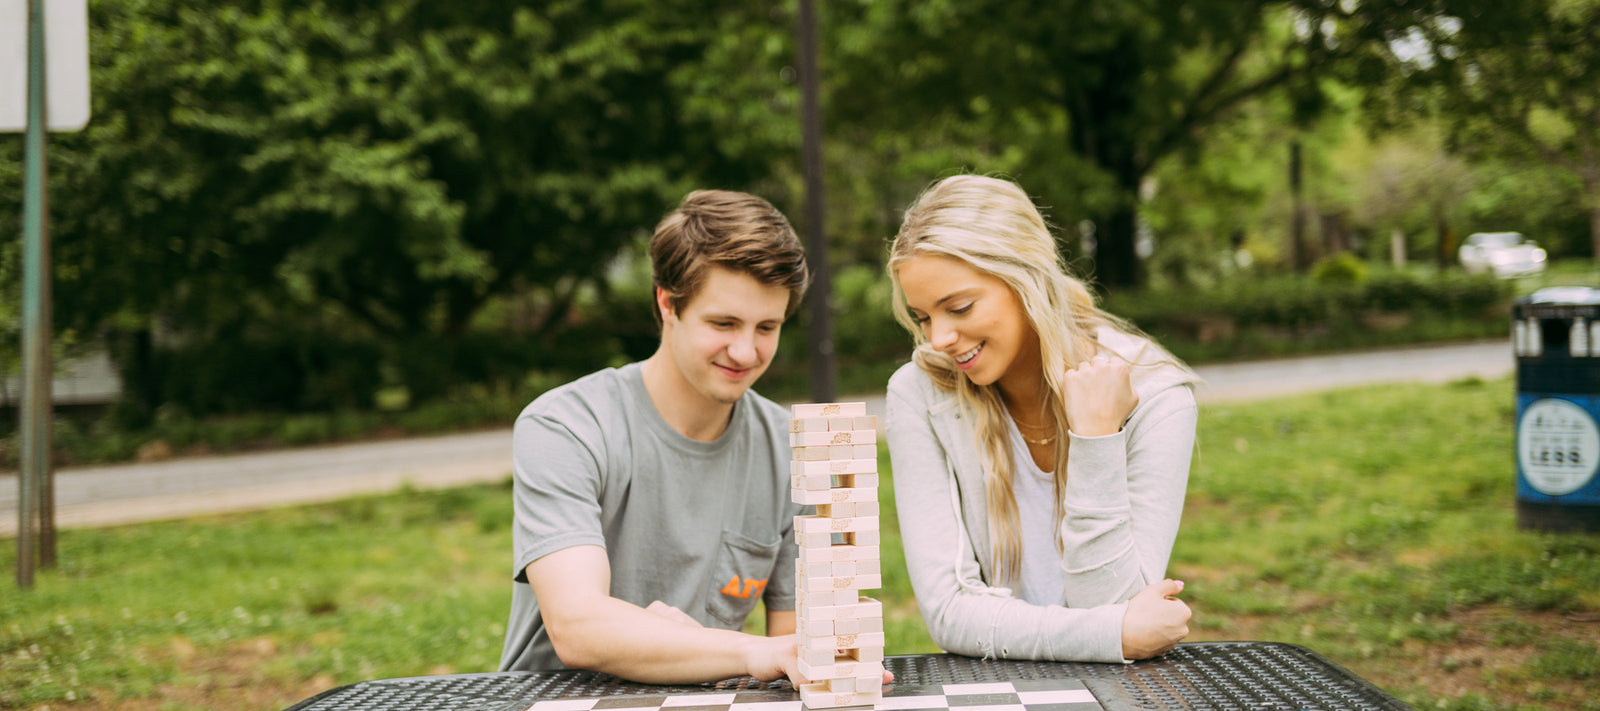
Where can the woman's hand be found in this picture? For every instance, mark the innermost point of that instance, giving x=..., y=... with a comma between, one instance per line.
x=1099, y=396
x=1155, y=621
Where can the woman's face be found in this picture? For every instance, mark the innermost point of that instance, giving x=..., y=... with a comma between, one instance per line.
x=971, y=316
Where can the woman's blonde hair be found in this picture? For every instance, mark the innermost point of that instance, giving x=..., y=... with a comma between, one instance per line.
x=991, y=225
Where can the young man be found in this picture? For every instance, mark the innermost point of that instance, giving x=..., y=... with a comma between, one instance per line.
x=651, y=501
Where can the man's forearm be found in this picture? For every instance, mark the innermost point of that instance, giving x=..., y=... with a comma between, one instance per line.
x=626, y=641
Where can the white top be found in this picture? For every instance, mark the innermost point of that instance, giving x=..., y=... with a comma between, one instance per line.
x=1035, y=490
x=1123, y=498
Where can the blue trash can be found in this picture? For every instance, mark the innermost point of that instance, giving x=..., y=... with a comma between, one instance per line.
x=1555, y=335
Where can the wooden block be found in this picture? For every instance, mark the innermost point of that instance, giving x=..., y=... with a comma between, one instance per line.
x=830, y=554
x=832, y=510
x=846, y=641
x=804, y=611
x=818, y=439
x=842, y=582
x=840, y=424
x=810, y=498
x=863, y=451
x=813, y=556
x=813, y=540
x=844, y=665
x=866, y=683
x=808, y=424
x=842, y=451
x=845, y=596
x=819, y=524
x=813, y=482
x=859, y=480
x=856, y=495
x=816, y=696
x=848, y=509
x=862, y=538
x=829, y=409
x=842, y=685
x=866, y=508
x=819, y=569
x=835, y=569
x=865, y=625
x=843, y=466
x=862, y=608
x=870, y=566
x=823, y=598
x=857, y=553
x=850, y=626
x=816, y=657
x=870, y=654
x=822, y=628
x=866, y=607
x=814, y=454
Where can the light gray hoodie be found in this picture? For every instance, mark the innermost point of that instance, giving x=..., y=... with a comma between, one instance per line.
x=1123, y=498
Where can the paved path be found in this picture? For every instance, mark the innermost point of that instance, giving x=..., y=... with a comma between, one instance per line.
x=126, y=493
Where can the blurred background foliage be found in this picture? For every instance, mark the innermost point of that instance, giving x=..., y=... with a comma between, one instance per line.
x=339, y=207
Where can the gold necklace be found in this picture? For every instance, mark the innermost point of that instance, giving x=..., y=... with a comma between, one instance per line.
x=1040, y=442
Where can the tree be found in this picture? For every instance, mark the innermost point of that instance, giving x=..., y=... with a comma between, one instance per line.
x=339, y=171
x=1087, y=97
x=1511, y=80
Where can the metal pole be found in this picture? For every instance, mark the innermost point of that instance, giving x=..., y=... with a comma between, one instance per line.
x=821, y=301
x=36, y=400
x=1301, y=254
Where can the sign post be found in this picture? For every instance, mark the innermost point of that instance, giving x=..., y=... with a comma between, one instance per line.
x=64, y=43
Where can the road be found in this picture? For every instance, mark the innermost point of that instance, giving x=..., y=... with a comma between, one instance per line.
x=178, y=488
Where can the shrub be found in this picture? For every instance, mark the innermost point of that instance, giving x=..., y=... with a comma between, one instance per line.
x=1341, y=268
x=1286, y=314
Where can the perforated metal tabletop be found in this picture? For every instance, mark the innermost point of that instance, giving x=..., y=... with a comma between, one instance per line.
x=1221, y=676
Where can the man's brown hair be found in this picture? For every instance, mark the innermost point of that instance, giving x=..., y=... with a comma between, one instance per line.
x=734, y=230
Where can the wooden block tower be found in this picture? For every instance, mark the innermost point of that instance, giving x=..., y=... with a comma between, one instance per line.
x=835, y=468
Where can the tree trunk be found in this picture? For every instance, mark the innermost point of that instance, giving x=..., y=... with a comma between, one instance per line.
x=1591, y=201
x=1116, y=264
x=1594, y=227
x=1447, y=239
x=133, y=353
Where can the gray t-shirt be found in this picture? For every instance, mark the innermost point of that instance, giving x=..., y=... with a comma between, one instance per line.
x=707, y=527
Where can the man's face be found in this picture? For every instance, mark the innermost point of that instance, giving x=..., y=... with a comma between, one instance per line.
x=723, y=338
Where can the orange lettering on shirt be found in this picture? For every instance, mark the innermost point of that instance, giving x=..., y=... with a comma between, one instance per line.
x=732, y=588
x=753, y=587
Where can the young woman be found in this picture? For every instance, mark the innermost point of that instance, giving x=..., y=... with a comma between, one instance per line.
x=1040, y=446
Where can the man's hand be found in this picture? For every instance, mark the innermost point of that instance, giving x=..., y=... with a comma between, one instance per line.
x=1098, y=395
x=767, y=658
x=1155, y=621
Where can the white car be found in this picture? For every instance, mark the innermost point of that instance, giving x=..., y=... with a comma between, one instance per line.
x=1504, y=254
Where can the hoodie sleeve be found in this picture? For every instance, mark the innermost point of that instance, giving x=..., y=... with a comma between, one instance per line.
x=1123, y=499
x=963, y=613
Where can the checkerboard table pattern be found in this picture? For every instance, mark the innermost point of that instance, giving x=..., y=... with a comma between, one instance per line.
x=1063, y=694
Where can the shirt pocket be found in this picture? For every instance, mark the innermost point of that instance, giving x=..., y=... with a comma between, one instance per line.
x=739, y=577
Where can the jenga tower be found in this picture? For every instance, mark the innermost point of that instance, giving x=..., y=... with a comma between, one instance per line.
x=835, y=468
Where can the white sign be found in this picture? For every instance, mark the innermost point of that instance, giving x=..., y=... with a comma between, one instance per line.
x=66, y=29
x=1558, y=446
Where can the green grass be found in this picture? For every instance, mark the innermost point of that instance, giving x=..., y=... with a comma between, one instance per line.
x=1377, y=527
x=1374, y=526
